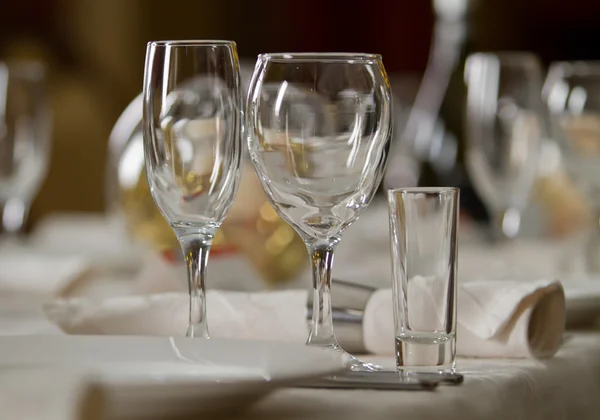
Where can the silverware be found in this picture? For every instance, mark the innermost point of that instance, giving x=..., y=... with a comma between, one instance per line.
x=445, y=378
x=372, y=381
x=390, y=376
x=387, y=380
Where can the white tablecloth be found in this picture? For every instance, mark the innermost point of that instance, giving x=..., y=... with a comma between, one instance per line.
x=565, y=387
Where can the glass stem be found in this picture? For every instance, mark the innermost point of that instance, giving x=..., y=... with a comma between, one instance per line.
x=506, y=224
x=596, y=229
x=592, y=247
x=196, y=248
x=321, y=333
x=14, y=216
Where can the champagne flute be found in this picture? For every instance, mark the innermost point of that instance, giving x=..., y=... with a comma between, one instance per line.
x=319, y=129
x=24, y=140
x=192, y=142
x=572, y=94
x=504, y=129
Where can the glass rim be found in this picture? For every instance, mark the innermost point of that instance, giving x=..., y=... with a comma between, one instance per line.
x=423, y=190
x=509, y=58
x=333, y=57
x=192, y=43
x=24, y=68
x=575, y=68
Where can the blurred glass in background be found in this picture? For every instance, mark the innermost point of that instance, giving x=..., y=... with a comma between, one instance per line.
x=505, y=127
x=572, y=94
x=24, y=139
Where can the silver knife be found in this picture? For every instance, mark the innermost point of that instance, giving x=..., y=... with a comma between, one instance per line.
x=390, y=380
x=373, y=380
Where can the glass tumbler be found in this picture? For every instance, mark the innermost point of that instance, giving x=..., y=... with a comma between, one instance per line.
x=423, y=234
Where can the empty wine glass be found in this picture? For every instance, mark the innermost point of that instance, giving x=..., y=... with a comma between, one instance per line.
x=319, y=129
x=192, y=143
x=572, y=94
x=504, y=129
x=24, y=139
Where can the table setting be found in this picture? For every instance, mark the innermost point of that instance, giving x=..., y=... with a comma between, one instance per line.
x=230, y=191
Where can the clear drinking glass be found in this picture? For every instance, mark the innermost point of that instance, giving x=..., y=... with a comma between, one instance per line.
x=192, y=142
x=319, y=129
x=572, y=94
x=504, y=129
x=24, y=139
x=423, y=235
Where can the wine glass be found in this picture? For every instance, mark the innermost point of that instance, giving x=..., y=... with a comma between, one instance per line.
x=572, y=95
x=504, y=130
x=192, y=142
x=319, y=129
x=24, y=140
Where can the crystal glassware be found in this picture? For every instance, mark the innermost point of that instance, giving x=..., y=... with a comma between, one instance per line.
x=423, y=235
x=24, y=139
x=252, y=235
x=192, y=142
x=504, y=128
x=572, y=95
x=319, y=127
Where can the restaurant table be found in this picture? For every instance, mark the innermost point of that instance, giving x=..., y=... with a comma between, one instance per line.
x=564, y=387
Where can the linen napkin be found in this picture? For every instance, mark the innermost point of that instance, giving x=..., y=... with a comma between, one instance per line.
x=495, y=318
x=49, y=395
x=52, y=393
x=25, y=272
x=103, y=241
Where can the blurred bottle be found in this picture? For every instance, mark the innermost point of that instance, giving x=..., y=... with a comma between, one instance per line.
x=434, y=129
x=252, y=230
x=403, y=167
x=435, y=125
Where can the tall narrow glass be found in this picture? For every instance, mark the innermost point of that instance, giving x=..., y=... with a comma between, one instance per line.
x=319, y=129
x=192, y=143
x=423, y=230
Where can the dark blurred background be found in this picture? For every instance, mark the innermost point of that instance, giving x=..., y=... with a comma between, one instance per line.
x=95, y=52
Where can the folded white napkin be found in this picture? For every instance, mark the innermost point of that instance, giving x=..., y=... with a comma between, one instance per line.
x=262, y=315
x=24, y=271
x=55, y=393
x=49, y=395
x=102, y=240
x=495, y=318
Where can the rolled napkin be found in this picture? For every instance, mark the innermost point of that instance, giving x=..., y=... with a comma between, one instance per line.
x=495, y=318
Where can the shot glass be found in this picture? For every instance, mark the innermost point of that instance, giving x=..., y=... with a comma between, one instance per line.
x=423, y=234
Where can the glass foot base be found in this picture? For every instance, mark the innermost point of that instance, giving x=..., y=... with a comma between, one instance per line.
x=357, y=365
x=196, y=331
x=354, y=364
